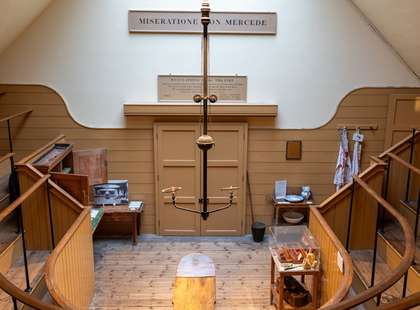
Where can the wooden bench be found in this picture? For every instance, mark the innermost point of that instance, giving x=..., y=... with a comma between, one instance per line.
x=195, y=283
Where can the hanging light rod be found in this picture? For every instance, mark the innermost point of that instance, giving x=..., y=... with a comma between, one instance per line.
x=205, y=142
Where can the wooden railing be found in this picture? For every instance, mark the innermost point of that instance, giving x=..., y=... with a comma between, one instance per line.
x=7, y=119
x=402, y=186
x=336, y=283
x=347, y=195
x=69, y=271
x=68, y=226
x=16, y=293
x=10, y=117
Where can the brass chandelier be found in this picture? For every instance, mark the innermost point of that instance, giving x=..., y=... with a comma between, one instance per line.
x=205, y=142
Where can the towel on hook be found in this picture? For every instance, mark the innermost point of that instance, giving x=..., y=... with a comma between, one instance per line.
x=357, y=151
x=343, y=167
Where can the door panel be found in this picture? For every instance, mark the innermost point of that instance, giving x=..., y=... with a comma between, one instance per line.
x=403, y=116
x=226, y=167
x=74, y=184
x=178, y=163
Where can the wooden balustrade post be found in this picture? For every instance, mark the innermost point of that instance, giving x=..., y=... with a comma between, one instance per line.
x=404, y=292
x=385, y=193
x=25, y=258
x=408, y=182
x=9, y=131
x=15, y=306
x=50, y=216
x=375, y=247
x=416, y=226
x=350, y=214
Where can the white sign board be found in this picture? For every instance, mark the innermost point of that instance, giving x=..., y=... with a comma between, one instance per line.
x=252, y=23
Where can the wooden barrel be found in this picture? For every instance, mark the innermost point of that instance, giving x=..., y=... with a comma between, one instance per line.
x=195, y=283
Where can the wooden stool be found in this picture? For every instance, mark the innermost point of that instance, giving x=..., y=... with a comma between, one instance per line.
x=195, y=283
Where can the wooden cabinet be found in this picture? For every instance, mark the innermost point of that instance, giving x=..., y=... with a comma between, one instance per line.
x=92, y=163
x=75, y=184
x=74, y=171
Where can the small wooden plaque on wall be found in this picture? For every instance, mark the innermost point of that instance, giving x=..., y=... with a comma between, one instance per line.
x=184, y=87
x=294, y=150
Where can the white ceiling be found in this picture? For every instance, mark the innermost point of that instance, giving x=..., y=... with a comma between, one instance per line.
x=399, y=23
x=15, y=16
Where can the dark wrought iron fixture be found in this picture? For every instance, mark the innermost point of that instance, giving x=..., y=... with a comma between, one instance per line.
x=205, y=142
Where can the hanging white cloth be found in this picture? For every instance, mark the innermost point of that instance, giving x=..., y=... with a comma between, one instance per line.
x=357, y=151
x=343, y=167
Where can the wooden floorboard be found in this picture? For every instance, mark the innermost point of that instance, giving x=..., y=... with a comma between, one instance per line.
x=363, y=262
x=142, y=276
x=16, y=274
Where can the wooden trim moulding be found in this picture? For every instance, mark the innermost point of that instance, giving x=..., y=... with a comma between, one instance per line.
x=191, y=109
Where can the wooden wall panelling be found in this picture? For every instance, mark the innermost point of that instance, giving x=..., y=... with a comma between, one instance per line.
x=34, y=211
x=69, y=270
x=334, y=282
x=337, y=207
x=364, y=215
x=64, y=212
x=131, y=149
x=337, y=215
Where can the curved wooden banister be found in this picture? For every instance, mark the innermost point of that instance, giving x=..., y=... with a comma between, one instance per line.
x=399, y=271
x=6, y=157
x=404, y=163
x=40, y=150
x=10, y=117
x=345, y=286
x=50, y=273
x=24, y=297
x=12, y=207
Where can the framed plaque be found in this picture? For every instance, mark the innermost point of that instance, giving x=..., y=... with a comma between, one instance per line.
x=251, y=23
x=182, y=88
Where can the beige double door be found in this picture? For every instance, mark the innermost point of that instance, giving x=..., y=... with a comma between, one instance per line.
x=178, y=162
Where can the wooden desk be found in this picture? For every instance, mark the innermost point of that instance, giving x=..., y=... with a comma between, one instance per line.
x=116, y=219
x=277, y=283
x=283, y=206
